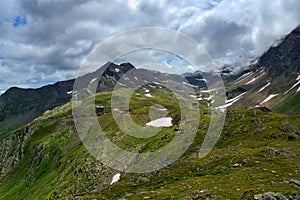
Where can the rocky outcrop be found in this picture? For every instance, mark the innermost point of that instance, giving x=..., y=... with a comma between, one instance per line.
x=275, y=196
x=12, y=149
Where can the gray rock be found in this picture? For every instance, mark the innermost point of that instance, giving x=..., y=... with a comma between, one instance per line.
x=295, y=183
x=270, y=195
x=293, y=137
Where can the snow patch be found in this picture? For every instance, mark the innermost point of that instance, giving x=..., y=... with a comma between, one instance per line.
x=243, y=77
x=146, y=90
x=293, y=85
x=235, y=99
x=264, y=87
x=162, y=109
x=72, y=92
x=122, y=84
x=152, y=86
x=269, y=98
x=210, y=97
x=93, y=80
x=116, y=178
x=117, y=70
x=201, y=79
x=194, y=86
x=298, y=90
x=230, y=102
x=148, y=95
x=161, y=122
x=252, y=80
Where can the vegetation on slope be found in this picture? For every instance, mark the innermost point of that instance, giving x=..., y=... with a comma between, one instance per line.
x=258, y=152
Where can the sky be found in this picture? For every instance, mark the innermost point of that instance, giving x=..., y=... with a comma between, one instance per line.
x=44, y=41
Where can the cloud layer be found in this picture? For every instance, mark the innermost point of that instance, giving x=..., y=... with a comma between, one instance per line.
x=43, y=41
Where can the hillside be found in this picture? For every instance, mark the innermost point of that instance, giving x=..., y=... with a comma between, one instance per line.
x=257, y=153
x=274, y=81
x=20, y=106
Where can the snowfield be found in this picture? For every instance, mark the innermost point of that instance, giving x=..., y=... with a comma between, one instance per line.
x=161, y=122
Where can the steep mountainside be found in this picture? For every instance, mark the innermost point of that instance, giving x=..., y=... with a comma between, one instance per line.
x=257, y=155
x=274, y=81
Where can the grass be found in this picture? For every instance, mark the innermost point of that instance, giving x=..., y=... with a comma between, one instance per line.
x=56, y=165
x=289, y=106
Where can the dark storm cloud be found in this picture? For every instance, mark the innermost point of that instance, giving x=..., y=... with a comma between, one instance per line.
x=43, y=41
x=228, y=37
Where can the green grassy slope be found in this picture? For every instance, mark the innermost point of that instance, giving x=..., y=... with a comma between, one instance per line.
x=255, y=154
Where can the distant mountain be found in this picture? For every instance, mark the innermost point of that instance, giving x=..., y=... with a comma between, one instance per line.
x=19, y=106
x=274, y=81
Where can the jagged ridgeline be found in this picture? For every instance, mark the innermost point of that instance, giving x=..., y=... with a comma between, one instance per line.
x=20, y=106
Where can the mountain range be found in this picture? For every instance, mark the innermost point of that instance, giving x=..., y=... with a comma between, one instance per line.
x=273, y=82
x=255, y=157
x=19, y=106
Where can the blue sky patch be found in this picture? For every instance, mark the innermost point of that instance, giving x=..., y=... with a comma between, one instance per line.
x=19, y=21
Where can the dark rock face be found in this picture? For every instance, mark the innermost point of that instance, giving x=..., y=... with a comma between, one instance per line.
x=12, y=149
x=284, y=58
x=18, y=101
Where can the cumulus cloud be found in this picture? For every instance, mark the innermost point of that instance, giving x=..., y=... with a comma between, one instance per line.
x=239, y=30
x=43, y=41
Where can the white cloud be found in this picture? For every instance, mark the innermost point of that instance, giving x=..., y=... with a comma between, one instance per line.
x=60, y=34
x=132, y=4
